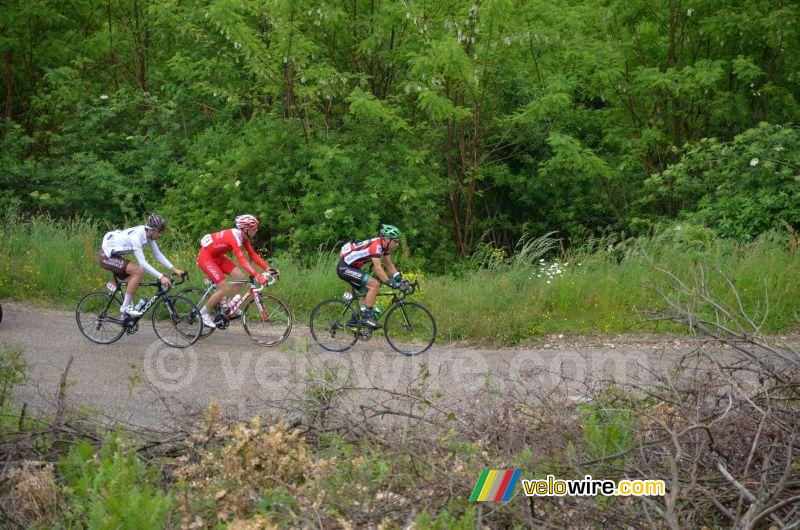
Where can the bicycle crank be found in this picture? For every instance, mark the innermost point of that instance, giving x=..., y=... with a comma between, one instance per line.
x=132, y=328
x=365, y=334
x=221, y=321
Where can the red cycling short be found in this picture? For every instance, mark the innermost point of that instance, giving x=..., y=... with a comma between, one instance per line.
x=214, y=267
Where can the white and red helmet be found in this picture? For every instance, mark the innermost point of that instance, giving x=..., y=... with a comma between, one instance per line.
x=246, y=222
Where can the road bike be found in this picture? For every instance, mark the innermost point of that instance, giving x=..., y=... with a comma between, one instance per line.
x=266, y=319
x=176, y=319
x=336, y=323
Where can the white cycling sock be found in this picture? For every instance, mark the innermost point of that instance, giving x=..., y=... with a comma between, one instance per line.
x=204, y=311
x=128, y=300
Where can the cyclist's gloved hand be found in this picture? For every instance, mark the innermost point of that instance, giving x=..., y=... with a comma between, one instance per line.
x=274, y=272
x=391, y=283
x=397, y=277
x=165, y=281
x=261, y=279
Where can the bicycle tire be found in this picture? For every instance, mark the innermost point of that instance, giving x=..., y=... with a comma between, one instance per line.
x=324, y=326
x=279, y=319
x=413, y=317
x=195, y=294
x=88, y=307
x=182, y=315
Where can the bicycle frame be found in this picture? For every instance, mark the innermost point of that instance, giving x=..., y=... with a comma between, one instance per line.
x=129, y=319
x=250, y=292
x=397, y=299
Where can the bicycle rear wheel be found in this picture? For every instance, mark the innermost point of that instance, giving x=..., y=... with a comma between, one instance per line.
x=195, y=294
x=409, y=328
x=176, y=321
x=270, y=327
x=329, y=325
x=93, y=317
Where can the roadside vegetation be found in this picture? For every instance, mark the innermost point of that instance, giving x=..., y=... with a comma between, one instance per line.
x=720, y=430
x=605, y=286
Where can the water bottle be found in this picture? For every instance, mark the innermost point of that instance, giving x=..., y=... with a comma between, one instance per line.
x=140, y=304
x=377, y=310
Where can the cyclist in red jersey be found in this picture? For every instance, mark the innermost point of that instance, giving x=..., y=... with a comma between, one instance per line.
x=215, y=265
x=353, y=257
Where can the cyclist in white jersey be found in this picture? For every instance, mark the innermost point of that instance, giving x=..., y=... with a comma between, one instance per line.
x=117, y=243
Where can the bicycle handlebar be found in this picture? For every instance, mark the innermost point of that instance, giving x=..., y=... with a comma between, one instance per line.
x=410, y=288
x=173, y=283
x=270, y=280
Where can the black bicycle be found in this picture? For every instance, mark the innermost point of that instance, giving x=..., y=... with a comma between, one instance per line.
x=336, y=323
x=176, y=319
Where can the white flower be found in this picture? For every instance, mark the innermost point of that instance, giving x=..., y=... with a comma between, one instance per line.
x=754, y=161
x=236, y=184
x=779, y=148
x=328, y=213
x=129, y=137
x=103, y=96
x=689, y=12
x=548, y=281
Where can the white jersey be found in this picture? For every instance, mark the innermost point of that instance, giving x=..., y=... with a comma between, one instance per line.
x=131, y=240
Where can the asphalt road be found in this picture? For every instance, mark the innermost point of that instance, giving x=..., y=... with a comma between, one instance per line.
x=140, y=381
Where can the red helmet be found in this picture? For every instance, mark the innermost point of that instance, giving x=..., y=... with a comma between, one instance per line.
x=246, y=222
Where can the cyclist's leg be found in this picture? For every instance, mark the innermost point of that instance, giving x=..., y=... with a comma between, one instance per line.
x=210, y=265
x=226, y=266
x=355, y=277
x=135, y=273
x=123, y=270
x=372, y=292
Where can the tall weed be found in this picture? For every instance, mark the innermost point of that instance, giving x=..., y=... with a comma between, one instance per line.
x=606, y=286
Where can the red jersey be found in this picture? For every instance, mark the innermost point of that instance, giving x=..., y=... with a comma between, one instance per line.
x=222, y=242
x=356, y=254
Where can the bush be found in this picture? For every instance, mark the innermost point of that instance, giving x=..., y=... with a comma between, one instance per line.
x=112, y=488
x=740, y=189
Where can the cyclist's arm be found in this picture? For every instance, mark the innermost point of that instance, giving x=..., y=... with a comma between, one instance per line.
x=237, y=250
x=377, y=267
x=390, y=265
x=139, y=253
x=160, y=256
x=254, y=256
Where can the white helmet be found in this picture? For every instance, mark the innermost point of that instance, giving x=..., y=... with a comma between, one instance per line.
x=246, y=222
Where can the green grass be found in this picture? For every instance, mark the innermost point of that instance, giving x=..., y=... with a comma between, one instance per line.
x=603, y=288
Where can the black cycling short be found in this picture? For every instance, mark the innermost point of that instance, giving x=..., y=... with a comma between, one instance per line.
x=355, y=277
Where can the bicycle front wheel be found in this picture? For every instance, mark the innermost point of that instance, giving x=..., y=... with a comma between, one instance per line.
x=267, y=320
x=409, y=328
x=176, y=321
x=334, y=325
x=99, y=319
x=195, y=294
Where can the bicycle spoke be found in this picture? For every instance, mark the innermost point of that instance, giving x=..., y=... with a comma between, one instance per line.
x=199, y=297
x=329, y=325
x=273, y=329
x=175, y=321
x=410, y=328
x=94, y=314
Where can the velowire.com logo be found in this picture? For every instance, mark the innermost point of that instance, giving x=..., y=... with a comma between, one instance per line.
x=499, y=485
x=496, y=485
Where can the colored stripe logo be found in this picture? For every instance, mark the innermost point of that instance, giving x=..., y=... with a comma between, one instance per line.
x=496, y=485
